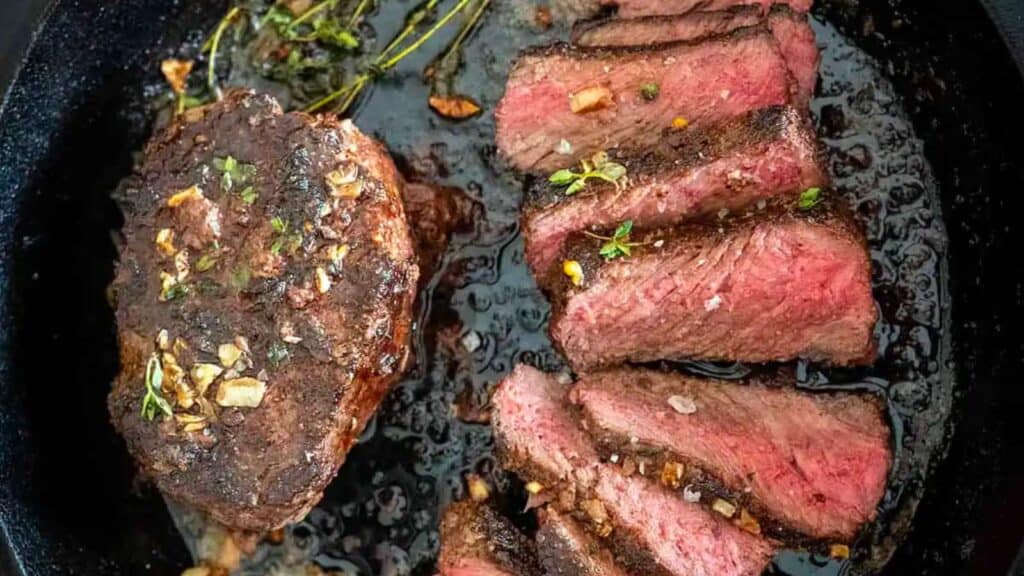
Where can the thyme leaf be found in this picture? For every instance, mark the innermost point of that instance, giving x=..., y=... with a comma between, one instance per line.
x=618, y=244
x=599, y=167
x=153, y=401
x=809, y=198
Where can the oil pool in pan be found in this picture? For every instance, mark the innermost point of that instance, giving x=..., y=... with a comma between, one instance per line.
x=482, y=312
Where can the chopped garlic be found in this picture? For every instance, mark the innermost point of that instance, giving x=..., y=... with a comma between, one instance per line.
x=165, y=241
x=748, y=522
x=203, y=375
x=478, y=488
x=672, y=474
x=724, y=507
x=564, y=147
x=590, y=98
x=574, y=271
x=534, y=487
x=228, y=354
x=839, y=551
x=323, y=281
x=163, y=339
x=241, y=392
x=179, y=198
x=344, y=182
x=679, y=122
x=682, y=404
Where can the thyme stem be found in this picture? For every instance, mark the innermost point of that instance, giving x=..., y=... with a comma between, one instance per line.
x=360, y=8
x=312, y=11
x=211, y=76
x=352, y=89
x=467, y=28
x=426, y=35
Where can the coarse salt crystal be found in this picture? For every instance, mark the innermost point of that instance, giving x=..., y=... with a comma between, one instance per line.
x=713, y=303
x=691, y=495
x=682, y=404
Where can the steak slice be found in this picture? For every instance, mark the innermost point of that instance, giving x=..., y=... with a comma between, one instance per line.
x=790, y=29
x=715, y=79
x=268, y=271
x=566, y=548
x=817, y=463
x=653, y=531
x=478, y=541
x=634, y=8
x=775, y=285
x=733, y=164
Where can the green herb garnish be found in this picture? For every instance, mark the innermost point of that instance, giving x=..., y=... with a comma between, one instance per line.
x=176, y=290
x=599, y=167
x=809, y=198
x=249, y=195
x=649, y=91
x=617, y=244
x=277, y=354
x=240, y=278
x=205, y=262
x=153, y=401
x=234, y=172
x=212, y=44
x=279, y=225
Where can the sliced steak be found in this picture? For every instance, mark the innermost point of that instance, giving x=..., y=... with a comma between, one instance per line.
x=775, y=285
x=791, y=31
x=817, y=463
x=268, y=273
x=634, y=8
x=565, y=548
x=701, y=83
x=652, y=530
x=478, y=541
x=763, y=154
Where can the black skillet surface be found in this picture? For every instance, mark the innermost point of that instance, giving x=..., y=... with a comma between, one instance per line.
x=66, y=501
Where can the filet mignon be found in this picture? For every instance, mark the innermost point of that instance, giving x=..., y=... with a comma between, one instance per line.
x=653, y=531
x=817, y=463
x=634, y=8
x=264, y=293
x=563, y=103
x=732, y=164
x=777, y=284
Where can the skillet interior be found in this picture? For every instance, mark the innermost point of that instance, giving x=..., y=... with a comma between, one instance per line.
x=73, y=121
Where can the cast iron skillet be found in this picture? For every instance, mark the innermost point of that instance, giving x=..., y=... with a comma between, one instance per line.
x=67, y=131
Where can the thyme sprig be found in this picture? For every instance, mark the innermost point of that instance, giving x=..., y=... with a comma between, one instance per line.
x=385, y=61
x=153, y=401
x=598, y=167
x=618, y=243
x=809, y=198
x=213, y=44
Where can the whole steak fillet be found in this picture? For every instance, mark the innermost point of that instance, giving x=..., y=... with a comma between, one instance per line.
x=653, y=530
x=768, y=153
x=791, y=31
x=776, y=284
x=477, y=541
x=264, y=292
x=563, y=104
x=815, y=462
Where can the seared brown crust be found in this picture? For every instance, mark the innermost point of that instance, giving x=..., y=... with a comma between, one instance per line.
x=581, y=31
x=565, y=548
x=476, y=534
x=600, y=52
x=259, y=468
x=680, y=150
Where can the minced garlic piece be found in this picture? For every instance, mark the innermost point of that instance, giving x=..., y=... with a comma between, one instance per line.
x=574, y=271
x=165, y=241
x=839, y=551
x=336, y=254
x=228, y=354
x=478, y=488
x=203, y=375
x=679, y=122
x=724, y=507
x=241, y=392
x=176, y=73
x=179, y=198
x=748, y=522
x=344, y=184
x=672, y=474
x=323, y=281
x=534, y=487
x=590, y=98
x=163, y=339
